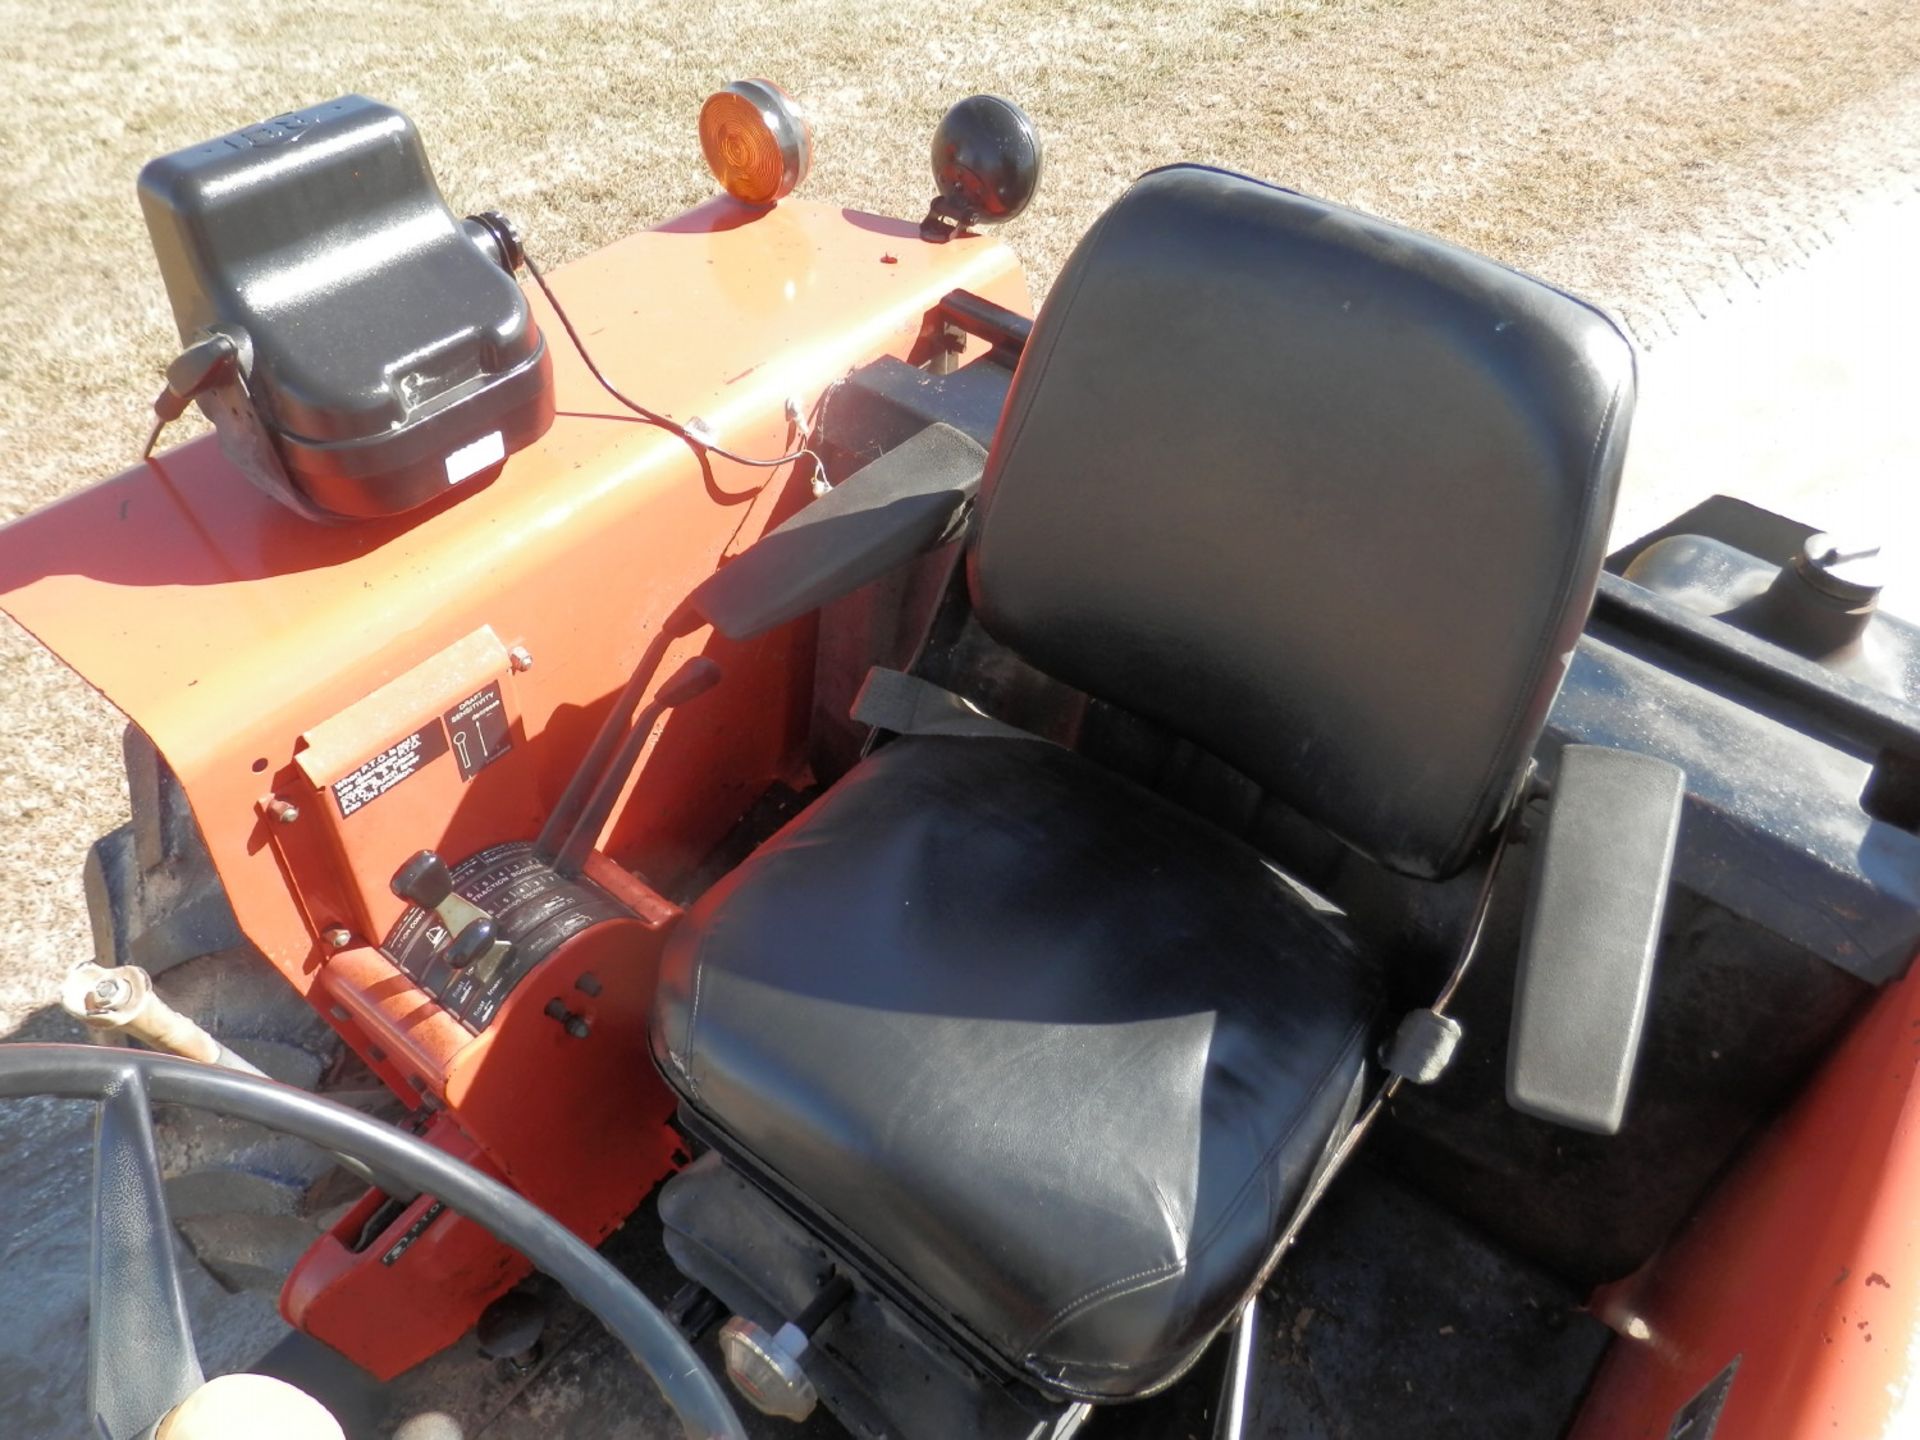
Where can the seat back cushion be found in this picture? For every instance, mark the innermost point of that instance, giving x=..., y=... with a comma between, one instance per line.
x=1326, y=496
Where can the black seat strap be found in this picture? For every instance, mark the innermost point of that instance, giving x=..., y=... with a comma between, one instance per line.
x=907, y=705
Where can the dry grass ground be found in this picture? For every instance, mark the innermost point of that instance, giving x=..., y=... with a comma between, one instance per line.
x=1643, y=150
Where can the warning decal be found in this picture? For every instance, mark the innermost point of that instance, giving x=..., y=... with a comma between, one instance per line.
x=387, y=769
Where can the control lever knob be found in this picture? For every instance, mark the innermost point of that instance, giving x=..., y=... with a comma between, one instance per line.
x=768, y=1369
x=511, y=1328
x=471, y=943
x=424, y=879
x=427, y=882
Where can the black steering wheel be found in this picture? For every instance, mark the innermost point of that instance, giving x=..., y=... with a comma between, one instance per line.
x=141, y=1362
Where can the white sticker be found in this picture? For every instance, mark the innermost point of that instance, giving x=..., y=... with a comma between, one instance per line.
x=470, y=460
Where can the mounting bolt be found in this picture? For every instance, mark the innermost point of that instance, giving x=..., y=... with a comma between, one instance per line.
x=337, y=937
x=108, y=993
x=285, y=811
x=520, y=659
x=510, y=1330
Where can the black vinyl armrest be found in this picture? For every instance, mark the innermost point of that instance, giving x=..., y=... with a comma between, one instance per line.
x=1593, y=923
x=899, y=506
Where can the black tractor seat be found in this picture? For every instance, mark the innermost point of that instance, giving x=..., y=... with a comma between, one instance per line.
x=1059, y=1054
x=1327, y=498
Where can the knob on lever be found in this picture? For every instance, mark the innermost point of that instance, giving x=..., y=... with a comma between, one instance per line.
x=767, y=1369
x=470, y=944
x=425, y=880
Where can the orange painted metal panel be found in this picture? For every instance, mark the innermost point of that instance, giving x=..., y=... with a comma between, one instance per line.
x=270, y=658
x=368, y=775
x=1804, y=1263
x=226, y=626
x=579, y=1125
x=414, y=1288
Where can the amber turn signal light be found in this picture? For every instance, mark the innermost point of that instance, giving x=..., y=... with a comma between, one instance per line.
x=756, y=141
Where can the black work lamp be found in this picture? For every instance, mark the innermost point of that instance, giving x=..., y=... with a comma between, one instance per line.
x=986, y=166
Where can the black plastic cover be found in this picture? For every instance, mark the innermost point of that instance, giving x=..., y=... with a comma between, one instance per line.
x=384, y=355
x=1586, y=958
x=880, y=517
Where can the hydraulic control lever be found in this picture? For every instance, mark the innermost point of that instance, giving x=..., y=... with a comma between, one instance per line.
x=122, y=1001
x=426, y=881
x=569, y=848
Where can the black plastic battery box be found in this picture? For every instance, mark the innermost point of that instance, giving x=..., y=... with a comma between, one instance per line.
x=382, y=353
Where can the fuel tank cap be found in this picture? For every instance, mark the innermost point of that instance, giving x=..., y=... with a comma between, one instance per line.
x=1842, y=568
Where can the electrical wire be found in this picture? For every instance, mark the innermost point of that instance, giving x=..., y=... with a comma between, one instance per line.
x=654, y=417
x=559, y=831
x=1318, y=1183
x=651, y=417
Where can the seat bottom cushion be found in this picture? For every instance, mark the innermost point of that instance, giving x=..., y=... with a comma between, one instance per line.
x=1058, y=1056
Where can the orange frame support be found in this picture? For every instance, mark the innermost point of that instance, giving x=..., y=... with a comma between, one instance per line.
x=1803, y=1264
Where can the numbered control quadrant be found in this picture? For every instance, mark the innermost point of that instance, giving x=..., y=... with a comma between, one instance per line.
x=535, y=908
